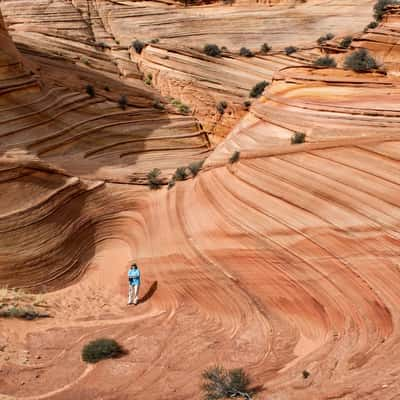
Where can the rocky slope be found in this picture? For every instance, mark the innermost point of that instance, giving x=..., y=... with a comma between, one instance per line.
x=284, y=262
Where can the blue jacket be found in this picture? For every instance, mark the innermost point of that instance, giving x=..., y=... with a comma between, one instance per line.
x=134, y=276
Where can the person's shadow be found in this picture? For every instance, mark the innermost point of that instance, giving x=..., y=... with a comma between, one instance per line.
x=149, y=293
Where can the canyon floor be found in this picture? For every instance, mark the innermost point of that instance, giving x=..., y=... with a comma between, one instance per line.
x=285, y=261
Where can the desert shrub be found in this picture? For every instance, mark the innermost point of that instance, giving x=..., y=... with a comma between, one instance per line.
x=85, y=60
x=245, y=52
x=298, y=138
x=123, y=102
x=154, y=41
x=158, y=105
x=107, y=88
x=326, y=61
x=149, y=79
x=325, y=38
x=22, y=313
x=103, y=45
x=195, y=167
x=171, y=183
x=90, y=90
x=180, y=174
x=371, y=25
x=290, y=50
x=235, y=157
x=184, y=109
x=360, y=61
x=101, y=349
x=247, y=104
x=138, y=45
x=212, y=50
x=265, y=48
x=346, y=42
x=258, y=89
x=224, y=48
x=154, y=179
x=379, y=8
x=221, y=106
x=305, y=374
x=220, y=383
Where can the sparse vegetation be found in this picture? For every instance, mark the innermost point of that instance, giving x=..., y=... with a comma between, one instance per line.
x=290, y=50
x=158, y=105
x=326, y=62
x=123, y=102
x=103, y=45
x=221, y=106
x=306, y=374
x=154, y=41
x=298, y=137
x=22, y=313
x=195, y=167
x=212, y=50
x=220, y=383
x=154, y=179
x=90, y=90
x=379, y=8
x=258, y=89
x=235, y=157
x=101, y=349
x=182, y=108
x=149, y=79
x=224, y=48
x=180, y=174
x=138, y=45
x=360, y=61
x=265, y=48
x=247, y=104
x=85, y=60
x=325, y=38
x=171, y=183
x=371, y=25
x=346, y=42
x=245, y=52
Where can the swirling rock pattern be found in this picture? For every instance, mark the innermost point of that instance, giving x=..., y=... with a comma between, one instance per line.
x=286, y=261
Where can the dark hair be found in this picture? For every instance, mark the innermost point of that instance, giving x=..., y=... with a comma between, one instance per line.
x=134, y=265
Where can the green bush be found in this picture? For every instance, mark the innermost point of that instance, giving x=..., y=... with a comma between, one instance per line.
x=298, y=138
x=22, y=313
x=360, y=61
x=245, y=52
x=154, y=179
x=221, y=106
x=258, y=89
x=184, y=109
x=235, y=157
x=149, y=79
x=346, y=42
x=325, y=38
x=371, y=25
x=196, y=166
x=154, y=41
x=379, y=8
x=171, y=183
x=180, y=174
x=101, y=349
x=90, y=90
x=265, y=48
x=212, y=50
x=158, y=105
x=220, y=383
x=290, y=50
x=123, y=102
x=138, y=45
x=326, y=61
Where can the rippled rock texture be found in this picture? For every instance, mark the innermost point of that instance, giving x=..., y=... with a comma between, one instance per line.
x=284, y=262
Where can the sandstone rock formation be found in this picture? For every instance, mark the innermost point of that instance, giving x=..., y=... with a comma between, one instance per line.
x=283, y=262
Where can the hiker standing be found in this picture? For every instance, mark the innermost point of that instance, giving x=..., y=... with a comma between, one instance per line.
x=134, y=283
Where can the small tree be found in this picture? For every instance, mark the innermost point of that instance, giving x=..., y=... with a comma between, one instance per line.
x=245, y=52
x=138, y=45
x=326, y=62
x=379, y=8
x=360, y=61
x=221, y=106
x=180, y=174
x=258, y=89
x=265, y=48
x=195, y=167
x=220, y=383
x=154, y=179
x=298, y=138
x=212, y=50
x=290, y=50
x=235, y=157
x=346, y=42
x=90, y=90
x=123, y=102
x=101, y=349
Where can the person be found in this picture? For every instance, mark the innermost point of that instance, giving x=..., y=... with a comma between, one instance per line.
x=134, y=283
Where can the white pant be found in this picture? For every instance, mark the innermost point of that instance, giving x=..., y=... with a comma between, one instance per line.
x=134, y=288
